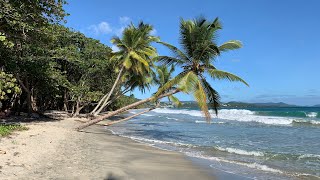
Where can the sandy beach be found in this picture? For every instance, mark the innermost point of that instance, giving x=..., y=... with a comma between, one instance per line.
x=53, y=150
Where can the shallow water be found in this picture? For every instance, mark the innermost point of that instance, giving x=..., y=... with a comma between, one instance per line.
x=261, y=143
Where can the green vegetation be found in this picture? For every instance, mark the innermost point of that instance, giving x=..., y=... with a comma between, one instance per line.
x=6, y=130
x=199, y=50
x=45, y=65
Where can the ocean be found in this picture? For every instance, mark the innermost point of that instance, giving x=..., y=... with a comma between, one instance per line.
x=253, y=143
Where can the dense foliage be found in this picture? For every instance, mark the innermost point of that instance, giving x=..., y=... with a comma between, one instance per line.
x=9, y=90
x=50, y=66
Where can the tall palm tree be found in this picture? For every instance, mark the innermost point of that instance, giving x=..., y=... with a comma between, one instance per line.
x=134, y=56
x=199, y=51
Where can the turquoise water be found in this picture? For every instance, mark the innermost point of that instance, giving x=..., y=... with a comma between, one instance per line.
x=257, y=143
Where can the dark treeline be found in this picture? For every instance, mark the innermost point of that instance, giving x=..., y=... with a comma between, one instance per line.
x=44, y=65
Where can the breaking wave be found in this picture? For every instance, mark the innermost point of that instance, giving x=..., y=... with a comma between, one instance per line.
x=242, y=115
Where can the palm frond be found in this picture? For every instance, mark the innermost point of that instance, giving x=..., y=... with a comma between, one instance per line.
x=167, y=60
x=148, y=52
x=126, y=62
x=230, y=45
x=139, y=58
x=201, y=98
x=216, y=24
x=213, y=96
x=218, y=74
x=189, y=82
x=171, y=83
x=177, y=53
x=175, y=100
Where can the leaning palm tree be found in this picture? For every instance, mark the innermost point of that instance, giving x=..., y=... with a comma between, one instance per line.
x=196, y=58
x=134, y=56
x=199, y=51
x=160, y=77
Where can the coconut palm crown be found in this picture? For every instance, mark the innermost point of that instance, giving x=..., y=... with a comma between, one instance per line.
x=135, y=57
x=199, y=51
x=135, y=51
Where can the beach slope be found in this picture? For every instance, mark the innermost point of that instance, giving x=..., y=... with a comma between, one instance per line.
x=52, y=150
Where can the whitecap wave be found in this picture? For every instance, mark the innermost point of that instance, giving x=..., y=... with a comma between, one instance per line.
x=172, y=118
x=155, y=141
x=312, y=114
x=250, y=165
x=200, y=121
x=309, y=156
x=240, y=115
x=179, y=111
x=214, y=122
x=307, y=122
x=149, y=115
x=240, y=151
x=249, y=116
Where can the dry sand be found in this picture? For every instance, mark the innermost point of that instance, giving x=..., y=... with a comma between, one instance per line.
x=53, y=150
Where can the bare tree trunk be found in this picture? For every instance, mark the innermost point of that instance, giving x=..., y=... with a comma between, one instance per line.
x=78, y=108
x=26, y=88
x=73, y=108
x=77, y=112
x=100, y=118
x=130, y=117
x=65, y=100
x=105, y=101
x=33, y=102
x=29, y=98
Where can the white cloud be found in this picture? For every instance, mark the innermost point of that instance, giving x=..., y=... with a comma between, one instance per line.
x=124, y=20
x=104, y=28
x=101, y=28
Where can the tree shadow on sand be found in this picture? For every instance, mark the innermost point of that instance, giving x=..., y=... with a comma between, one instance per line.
x=48, y=116
x=111, y=176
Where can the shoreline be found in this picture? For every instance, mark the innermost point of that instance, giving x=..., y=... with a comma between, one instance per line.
x=54, y=150
x=199, y=163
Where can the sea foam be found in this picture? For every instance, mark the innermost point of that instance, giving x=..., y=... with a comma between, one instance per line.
x=242, y=115
x=240, y=151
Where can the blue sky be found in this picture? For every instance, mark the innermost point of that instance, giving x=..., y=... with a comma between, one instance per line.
x=281, y=54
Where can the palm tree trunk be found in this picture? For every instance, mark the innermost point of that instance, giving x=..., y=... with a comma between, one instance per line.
x=100, y=118
x=99, y=103
x=105, y=101
x=130, y=117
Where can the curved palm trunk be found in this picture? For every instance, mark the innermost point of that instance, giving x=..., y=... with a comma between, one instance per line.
x=99, y=103
x=130, y=117
x=100, y=118
x=106, y=98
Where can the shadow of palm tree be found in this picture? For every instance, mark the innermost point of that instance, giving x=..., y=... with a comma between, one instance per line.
x=110, y=176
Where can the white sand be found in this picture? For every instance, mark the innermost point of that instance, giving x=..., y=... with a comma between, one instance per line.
x=53, y=150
